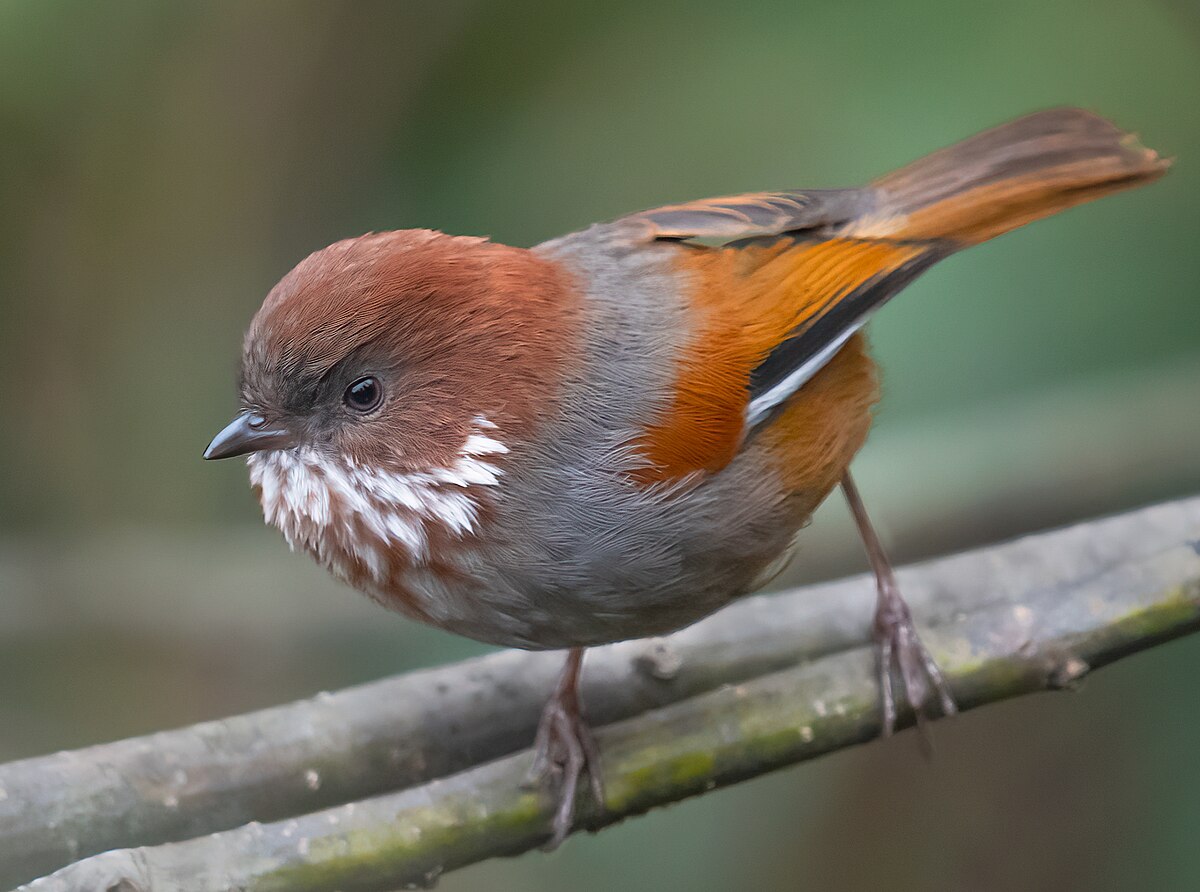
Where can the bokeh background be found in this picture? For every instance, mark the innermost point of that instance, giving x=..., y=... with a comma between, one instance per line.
x=162, y=164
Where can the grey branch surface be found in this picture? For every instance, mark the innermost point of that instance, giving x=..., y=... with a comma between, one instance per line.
x=390, y=784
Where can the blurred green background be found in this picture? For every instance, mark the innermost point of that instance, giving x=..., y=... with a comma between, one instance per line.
x=162, y=164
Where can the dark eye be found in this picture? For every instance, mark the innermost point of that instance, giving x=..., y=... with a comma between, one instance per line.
x=363, y=395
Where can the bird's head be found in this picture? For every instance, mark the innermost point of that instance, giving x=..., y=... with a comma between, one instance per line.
x=385, y=377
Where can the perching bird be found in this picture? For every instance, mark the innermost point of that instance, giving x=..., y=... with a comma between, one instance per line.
x=615, y=433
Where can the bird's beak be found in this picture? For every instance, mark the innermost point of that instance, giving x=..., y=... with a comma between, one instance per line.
x=248, y=432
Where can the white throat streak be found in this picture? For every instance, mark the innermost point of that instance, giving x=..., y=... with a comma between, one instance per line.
x=343, y=512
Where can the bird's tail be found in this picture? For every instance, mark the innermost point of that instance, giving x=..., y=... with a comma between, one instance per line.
x=1006, y=177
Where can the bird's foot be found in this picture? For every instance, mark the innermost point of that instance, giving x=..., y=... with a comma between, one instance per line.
x=899, y=647
x=563, y=750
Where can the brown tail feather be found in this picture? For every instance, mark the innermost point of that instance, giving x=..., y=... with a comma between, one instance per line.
x=1008, y=176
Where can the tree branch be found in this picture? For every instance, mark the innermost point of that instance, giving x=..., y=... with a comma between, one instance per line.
x=768, y=682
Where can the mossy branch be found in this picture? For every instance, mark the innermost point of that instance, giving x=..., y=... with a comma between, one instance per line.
x=770, y=681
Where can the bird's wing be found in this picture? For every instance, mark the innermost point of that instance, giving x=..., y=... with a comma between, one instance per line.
x=799, y=272
x=768, y=315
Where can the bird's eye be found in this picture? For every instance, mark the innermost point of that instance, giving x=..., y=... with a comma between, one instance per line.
x=363, y=395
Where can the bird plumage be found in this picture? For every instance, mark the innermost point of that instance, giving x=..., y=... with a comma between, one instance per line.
x=613, y=434
x=667, y=413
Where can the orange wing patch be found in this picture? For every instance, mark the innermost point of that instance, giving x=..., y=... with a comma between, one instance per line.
x=749, y=300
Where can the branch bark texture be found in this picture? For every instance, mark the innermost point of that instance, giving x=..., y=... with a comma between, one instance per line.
x=392, y=783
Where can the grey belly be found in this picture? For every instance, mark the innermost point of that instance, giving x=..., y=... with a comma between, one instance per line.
x=619, y=566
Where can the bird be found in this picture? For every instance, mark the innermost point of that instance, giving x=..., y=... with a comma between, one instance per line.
x=617, y=432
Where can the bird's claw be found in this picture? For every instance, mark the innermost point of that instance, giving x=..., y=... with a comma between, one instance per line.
x=898, y=646
x=563, y=750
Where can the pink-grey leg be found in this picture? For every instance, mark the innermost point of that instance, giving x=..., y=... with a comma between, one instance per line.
x=565, y=748
x=897, y=643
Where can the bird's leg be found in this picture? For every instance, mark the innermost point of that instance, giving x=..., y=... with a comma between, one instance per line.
x=564, y=746
x=896, y=640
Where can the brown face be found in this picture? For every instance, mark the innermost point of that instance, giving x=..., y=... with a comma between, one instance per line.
x=385, y=350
